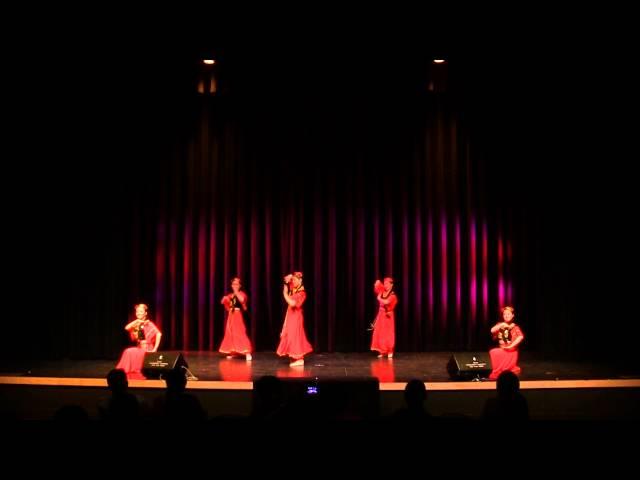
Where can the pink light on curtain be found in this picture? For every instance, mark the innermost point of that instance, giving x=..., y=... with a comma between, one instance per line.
x=212, y=283
x=389, y=243
x=501, y=286
x=173, y=282
x=240, y=251
x=202, y=280
x=444, y=294
x=186, y=283
x=291, y=233
x=485, y=272
x=510, y=298
x=376, y=245
x=332, y=267
x=160, y=275
x=473, y=273
x=254, y=266
x=417, y=297
x=227, y=250
x=300, y=239
x=332, y=270
x=430, y=292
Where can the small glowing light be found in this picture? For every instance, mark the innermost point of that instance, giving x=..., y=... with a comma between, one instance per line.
x=208, y=61
x=438, y=60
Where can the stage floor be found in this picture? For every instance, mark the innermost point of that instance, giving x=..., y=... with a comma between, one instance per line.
x=428, y=367
x=555, y=390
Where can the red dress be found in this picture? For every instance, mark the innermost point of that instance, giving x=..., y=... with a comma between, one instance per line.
x=235, y=333
x=503, y=360
x=132, y=359
x=293, y=340
x=384, y=330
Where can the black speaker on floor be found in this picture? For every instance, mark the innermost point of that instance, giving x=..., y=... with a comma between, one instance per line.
x=469, y=365
x=157, y=364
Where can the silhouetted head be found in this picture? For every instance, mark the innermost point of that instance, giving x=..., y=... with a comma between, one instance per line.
x=415, y=393
x=176, y=381
x=117, y=380
x=508, y=384
x=267, y=394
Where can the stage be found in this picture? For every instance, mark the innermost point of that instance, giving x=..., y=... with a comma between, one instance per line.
x=215, y=369
x=554, y=389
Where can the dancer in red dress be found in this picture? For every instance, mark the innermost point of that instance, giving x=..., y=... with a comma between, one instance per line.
x=509, y=336
x=235, y=341
x=147, y=337
x=293, y=341
x=384, y=327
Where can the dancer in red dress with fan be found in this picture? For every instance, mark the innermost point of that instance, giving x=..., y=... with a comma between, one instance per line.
x=235, y=341
x=509, y=337
x=147, y=337
x=384, y=326
x=293, y=340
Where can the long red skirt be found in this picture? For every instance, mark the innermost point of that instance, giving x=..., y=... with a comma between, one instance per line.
x=293, y=341
x=235, y=335
x=384, y=333
x=503, y=361
x=131, y=362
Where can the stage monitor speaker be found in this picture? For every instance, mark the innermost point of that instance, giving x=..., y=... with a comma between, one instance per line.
x=157, y=364
x=469, y=365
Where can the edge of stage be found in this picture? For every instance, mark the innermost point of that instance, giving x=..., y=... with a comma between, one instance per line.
x=555, y=390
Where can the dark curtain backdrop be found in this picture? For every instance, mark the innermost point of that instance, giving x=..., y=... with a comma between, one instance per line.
x=345, y=189
x=510, y=186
